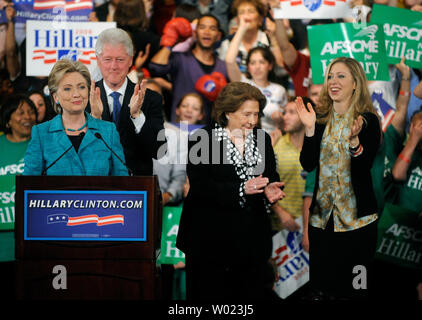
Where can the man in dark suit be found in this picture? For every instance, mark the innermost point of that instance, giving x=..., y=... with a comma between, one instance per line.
x=135, y=110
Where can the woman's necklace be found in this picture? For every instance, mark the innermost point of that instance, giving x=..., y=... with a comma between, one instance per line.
x=75, y=130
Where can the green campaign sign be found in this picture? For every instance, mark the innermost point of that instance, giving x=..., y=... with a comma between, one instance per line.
x=7, y=202
x=402, y=34
x=400, y=237
x=170, y=227
x=363, y=42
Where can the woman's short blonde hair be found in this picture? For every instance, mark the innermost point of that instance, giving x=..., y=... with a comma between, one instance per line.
x=232, y=97
x=61, y=68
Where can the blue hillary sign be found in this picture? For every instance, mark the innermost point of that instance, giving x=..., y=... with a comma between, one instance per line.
x=49, y=9
x=3, y=18
x=85, y=215
x=57, y=11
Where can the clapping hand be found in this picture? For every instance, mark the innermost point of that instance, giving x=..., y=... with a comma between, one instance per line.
x=273, y=191
x=354, y=131
x=95, y=101
x=137, y=99
x=306, y=115
x=256, y=185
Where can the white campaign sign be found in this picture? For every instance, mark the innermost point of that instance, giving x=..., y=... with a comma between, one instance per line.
x=313, y=9
x=49, y=41
x=291, y=260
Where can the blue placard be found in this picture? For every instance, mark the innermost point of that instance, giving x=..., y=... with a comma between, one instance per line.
x=3, y=17
x=85, y=215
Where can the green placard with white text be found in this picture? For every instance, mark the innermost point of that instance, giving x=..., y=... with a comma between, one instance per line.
x=402, y=34
x=365, y=43
x=170, y=227
x=7, y=202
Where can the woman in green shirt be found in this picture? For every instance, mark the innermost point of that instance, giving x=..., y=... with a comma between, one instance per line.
x=17, y=117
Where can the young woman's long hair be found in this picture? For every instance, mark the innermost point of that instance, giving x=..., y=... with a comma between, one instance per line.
x=361, y=99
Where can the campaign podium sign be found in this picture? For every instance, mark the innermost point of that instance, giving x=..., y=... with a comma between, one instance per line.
x=85, y=215
x=104, y=231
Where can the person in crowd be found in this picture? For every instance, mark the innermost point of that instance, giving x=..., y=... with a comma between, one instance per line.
x=66, y=144
x=418, y=90
x=6, y=86
x=297, y=64
x=287, y=151
x=104, y=12
x=233, y=184
x=197, y=69
x=218, y=8
x=260, y=32
x=10, y=60
x=260, y=63
x=396, y=177
x=44, y=108
x=190, y=110
x=135, y=110
x=341, y=144
x=17, y=117
x=130, y=16
x=171, y=172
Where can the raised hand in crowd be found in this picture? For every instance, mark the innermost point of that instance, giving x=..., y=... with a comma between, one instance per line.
x=142, y=57
x=415, y=141
x=176, y=30
x=399, y=119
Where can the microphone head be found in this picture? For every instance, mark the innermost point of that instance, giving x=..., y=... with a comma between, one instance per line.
x=98, y=135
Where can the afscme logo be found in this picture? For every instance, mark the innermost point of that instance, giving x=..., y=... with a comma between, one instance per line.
x=368, y=31
x=347, y=46
x=403, y=31
x=12, y=169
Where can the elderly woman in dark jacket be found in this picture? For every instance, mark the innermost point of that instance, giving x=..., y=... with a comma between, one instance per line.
x=225, y=228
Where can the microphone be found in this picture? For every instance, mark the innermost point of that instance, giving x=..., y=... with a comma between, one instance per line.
x=100, y=137
x=44, y=172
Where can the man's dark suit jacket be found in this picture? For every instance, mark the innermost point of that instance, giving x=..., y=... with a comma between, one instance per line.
x=139, y=148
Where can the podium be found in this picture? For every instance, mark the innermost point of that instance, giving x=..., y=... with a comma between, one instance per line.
x=66, y=260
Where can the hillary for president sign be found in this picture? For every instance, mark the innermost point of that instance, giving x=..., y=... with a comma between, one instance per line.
x=85, y=215
x=402, y=33
x=47, y=42
x=365, y=43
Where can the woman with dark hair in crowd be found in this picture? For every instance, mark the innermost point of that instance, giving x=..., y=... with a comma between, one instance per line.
x=130, y=16
x=225, y=228
x=17, y=117
x=43, y=105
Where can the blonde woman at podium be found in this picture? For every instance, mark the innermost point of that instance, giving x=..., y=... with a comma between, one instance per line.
x=74, y=142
